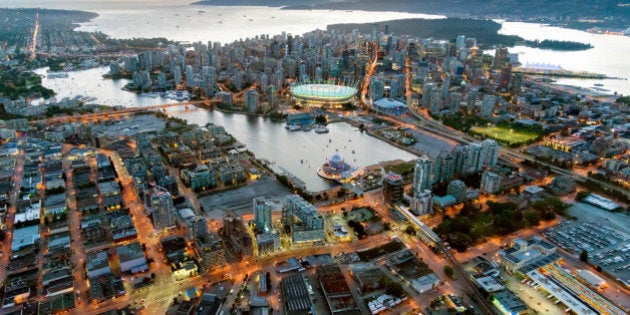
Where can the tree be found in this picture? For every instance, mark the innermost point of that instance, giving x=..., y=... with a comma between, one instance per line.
x=321, y=119
x=581, y=195
x=410, y=230
x=584, y=256
x=394, y=289
x=449, y=271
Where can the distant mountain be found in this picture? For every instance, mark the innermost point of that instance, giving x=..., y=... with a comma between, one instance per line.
x=568, y=12
x=485, y=31
x=262, y=3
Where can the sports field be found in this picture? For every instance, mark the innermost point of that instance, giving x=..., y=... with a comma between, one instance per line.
x=505, y=135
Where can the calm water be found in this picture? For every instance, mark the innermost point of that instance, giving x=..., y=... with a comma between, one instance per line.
x=179, y=21
x=300, y=153
x=91, y=83
x=609, y=56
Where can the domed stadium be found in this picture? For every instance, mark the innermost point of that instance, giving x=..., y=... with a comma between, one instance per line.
x=322, y=93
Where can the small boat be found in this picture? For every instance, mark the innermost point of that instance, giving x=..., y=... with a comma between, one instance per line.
x=294, y=127
x=273, y=17
x=220, y=22
x=598, y=84
x=201, y=11
x=321, y=129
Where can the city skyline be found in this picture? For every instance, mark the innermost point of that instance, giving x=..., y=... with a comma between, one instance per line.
x=415, y=166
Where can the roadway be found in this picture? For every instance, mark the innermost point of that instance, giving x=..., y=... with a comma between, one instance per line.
x=78, y=254
x=87, y=117
x=11, y=210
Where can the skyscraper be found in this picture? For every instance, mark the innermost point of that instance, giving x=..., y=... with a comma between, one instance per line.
x=262, y=214
x=196, y=226
x=422, y=174
x=373, y=35
x=163, y=209
x=457, y=189
x=487, y=106
x=490, y=182
x=251, y=100
x=377, y=89
x=422, y=203
x=491, y=152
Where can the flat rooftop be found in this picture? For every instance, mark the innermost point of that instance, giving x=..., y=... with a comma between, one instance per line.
x=130, y=251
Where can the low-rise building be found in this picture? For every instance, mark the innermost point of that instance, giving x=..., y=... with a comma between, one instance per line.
x=132, y=258
x=110, y=194
x=97, y=264
x=523, y=253
x=296, y=298
x=336, y=291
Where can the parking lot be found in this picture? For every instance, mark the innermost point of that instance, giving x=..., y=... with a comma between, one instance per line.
x=607, y=247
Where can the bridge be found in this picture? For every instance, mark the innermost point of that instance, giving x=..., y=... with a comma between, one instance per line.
x=120, y=112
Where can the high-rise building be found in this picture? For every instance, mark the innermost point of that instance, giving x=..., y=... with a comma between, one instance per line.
x=373, y=35
x=435, y=101
x=443, y=167
x=393, y=187
x=500, y=58
x=455, y=99
x=262, y=214
x=460, y=42
x=490, y=182
x=305, y=224
x=251, y=100
x=457, y=189
x=196, y=227
x=211, y=252
x=422, y=203
x=491, y=152
x=487, y=106
x=423, y=174
x=163, y=209
x=377, y=89
x=475, y=160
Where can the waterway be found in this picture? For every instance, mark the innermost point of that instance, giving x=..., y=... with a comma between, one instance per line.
x=91, y=83
x=608, y=56
x=177, y=20
x=299, y=153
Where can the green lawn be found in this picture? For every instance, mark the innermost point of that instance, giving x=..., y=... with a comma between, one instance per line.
x=505, y=135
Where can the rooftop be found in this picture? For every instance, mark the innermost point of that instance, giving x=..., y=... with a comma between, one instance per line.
x=510, y=301
x=130, y=251
x=109, y=188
